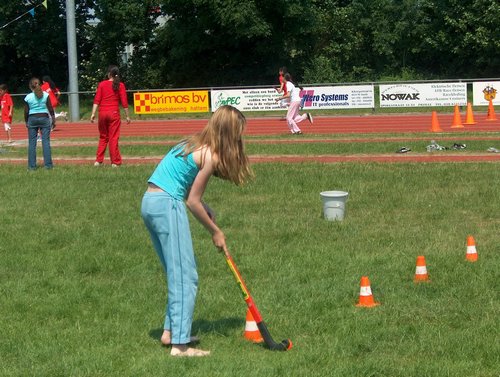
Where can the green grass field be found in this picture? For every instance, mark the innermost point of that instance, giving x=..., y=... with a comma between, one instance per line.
x=83, y=293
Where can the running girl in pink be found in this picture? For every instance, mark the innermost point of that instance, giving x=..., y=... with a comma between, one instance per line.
x=292, y=115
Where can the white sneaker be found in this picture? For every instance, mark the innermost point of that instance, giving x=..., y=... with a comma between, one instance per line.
x=114, y=165
x=62, y=114
x=97, y=163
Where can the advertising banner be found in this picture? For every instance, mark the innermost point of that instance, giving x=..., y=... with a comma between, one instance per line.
x=428, y=95
x=338, y=97
x=171, y=102
x=483, y=91
x=326, y=97
x=246, y=99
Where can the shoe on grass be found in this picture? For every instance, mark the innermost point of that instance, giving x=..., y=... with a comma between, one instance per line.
x=459, y=146
x=403, y=150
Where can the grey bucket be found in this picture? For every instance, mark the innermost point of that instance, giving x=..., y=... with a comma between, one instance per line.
x=334, y=204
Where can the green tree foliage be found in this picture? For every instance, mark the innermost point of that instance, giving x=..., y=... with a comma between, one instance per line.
x=364, y=39
x=370, y=39
x=36, y=46
x=117, y=25
x=207, y=43
x=460, y=38
x=215, y=42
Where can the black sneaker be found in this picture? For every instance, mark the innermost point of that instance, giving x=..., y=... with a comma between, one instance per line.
x=310, y=118
x=459, y=146
x=403, y=150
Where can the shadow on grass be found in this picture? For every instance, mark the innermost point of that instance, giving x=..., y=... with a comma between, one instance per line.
x=221, y=326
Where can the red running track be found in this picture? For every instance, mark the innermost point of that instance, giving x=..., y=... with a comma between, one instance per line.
x=367, y=124
x=276, y=126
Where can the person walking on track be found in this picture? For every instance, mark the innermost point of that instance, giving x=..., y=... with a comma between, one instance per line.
x=110, y=94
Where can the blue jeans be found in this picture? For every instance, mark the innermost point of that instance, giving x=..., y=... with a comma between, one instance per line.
x=43, y=124
x=168, y=224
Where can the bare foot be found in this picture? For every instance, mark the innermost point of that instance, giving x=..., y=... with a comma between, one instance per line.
x=184, y=350
x=166, y=339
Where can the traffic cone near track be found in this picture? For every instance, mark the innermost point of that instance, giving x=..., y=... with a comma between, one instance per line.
x=435, y=123
x=471, y=254
x=457, y=120
x=469, y=117
x=491, y=112
x=252, y=332
x=365, y=294
x=421, y=274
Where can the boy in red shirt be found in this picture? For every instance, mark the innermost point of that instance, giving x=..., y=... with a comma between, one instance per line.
x=50, y=87
x=54, y=94
x=7, y=109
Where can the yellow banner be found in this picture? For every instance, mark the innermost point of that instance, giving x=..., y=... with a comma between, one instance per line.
x=171, y=102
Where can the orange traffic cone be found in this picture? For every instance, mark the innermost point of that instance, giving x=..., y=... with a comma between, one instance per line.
x=252, y=332
x=435, y=123
x=491, y=112
x=365, y=294
x=421, y=274
x=471, y=254
x=469, y=117
x=457, y=121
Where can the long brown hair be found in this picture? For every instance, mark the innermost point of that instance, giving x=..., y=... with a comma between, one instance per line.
x=114, y=73
x=35, y=87
x=223, y=135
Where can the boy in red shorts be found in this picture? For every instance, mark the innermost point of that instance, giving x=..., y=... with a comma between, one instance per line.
x=7, y=109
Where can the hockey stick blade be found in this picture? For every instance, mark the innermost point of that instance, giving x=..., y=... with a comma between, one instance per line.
x=285, y=345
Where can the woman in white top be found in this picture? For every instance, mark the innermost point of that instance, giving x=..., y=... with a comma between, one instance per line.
x=292, y=115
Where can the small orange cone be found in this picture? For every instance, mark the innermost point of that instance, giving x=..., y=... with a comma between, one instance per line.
x=365, y=294
x=491, y=112
x=421, y=274
x=457, y=121
x=469, y=117
x=471, y=254
x=252, y=332
x=435, y=123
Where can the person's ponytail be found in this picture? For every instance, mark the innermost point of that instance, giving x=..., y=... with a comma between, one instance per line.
x=114, y=74
x=35, y=87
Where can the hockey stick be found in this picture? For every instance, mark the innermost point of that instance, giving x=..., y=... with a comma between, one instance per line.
x=286, y=344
